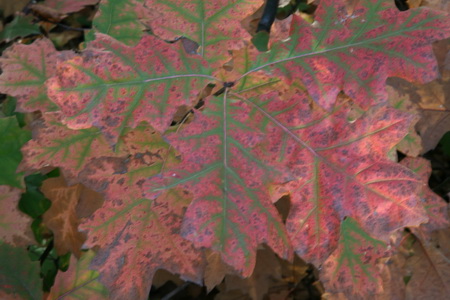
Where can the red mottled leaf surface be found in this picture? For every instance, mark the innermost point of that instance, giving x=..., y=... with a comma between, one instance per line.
x=356, y=53
x=55, y=145
x=338, y=169
x=112, y=86
x=25, y=70
x=334, y=169
x=232, y=211
x=214, y=25
x=139, y=233
x=137, y=237
x=352, y=268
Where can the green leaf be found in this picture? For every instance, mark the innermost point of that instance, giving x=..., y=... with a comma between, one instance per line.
x=445, y=142
x=19, y=276
x=21, y=26
x=9, y=109
x=118, y=19
x=12, y=138
x=33, y=202
x=261, y=41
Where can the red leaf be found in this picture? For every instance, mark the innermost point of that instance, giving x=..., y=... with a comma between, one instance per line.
x=231, y=211
x=137, y=236
x=214, y=25
x=352, y=269
x=25, y=70
x=233, y=150
x=106, y=84
x=338, y=169
x=262, y=138
x=56, y=145
x=356, y=53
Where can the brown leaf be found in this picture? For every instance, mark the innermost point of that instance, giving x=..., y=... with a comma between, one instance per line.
x=267, y=272
x=411, y=145
x=431, y=100
x=414, y=3
x=63, y=216
x=430, y=273
x=10, y=7
x=419, y=270
x=392, y=275
x=443, y=5
x=215, y=270
x=47, y=13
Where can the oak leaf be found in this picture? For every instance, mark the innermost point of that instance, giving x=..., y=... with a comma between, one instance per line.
x=212, y=180
x=435, y=206
x=120, y=20
x=62, y=217
x=19, y=276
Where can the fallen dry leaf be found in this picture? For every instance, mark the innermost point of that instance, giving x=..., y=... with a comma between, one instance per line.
x=62, y=217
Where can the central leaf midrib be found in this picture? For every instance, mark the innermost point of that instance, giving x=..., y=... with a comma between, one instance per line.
x=101, y=85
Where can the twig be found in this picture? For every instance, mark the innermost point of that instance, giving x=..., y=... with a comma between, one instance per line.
x=175, y=291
